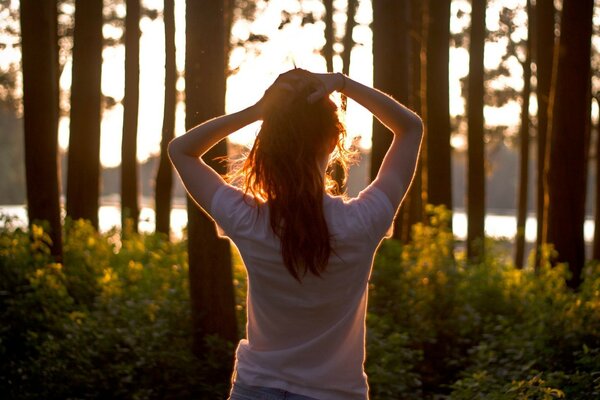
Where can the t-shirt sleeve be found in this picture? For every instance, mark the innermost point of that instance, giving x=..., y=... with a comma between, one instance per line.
x=230, y=209
x=374, y=212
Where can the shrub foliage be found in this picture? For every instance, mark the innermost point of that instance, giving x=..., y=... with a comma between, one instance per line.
x=113, y=321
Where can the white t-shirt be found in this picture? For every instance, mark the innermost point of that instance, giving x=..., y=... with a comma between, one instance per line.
x=307, y=338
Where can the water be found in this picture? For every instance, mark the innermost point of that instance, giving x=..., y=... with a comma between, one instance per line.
x=496, y=225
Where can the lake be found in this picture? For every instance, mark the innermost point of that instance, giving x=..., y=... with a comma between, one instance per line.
x=496, y=225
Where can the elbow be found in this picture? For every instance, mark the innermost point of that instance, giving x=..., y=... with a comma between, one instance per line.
x=417, y=125
x=172, y=150
x=408, y=123
x=413, y=127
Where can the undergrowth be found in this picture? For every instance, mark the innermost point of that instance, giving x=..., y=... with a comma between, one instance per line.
x=113, y=321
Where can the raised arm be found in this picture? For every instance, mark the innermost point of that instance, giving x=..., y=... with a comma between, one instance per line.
x=200, y=180
x=398, y=166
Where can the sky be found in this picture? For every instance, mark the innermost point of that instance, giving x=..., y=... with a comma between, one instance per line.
x=256, y=71
x=258, y=67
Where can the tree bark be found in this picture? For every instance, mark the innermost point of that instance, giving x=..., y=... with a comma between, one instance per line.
x=390, y=66
x=338, y=172
x=566, y=162
x=524, y=148
x=411, y=209
x=164, y=175
x=211, y=281
x=348, y=40
x=596, y=243
x=129, y=168
x=40, y=115
x=544, y=55
x=417, y=193
x=476, y=166
x=83, y=179
x=391, y=72
x=329, y=35
x=439, y=168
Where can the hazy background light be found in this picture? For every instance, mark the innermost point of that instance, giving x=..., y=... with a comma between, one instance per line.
x=256, y=66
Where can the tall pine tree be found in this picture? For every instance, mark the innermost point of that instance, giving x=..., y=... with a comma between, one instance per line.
x=164, y=175
x=566, y=155
x=83, y=175
x=211, y=280
x=40, y=115
x=476, y=165
x=129, y=168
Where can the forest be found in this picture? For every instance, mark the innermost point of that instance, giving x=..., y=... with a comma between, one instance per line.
x=126, y=313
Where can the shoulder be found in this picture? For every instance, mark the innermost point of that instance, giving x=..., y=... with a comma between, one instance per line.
x=372, y=211
x=233, y=209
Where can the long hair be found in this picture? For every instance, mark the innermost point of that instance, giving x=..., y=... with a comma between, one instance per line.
x=282, y=169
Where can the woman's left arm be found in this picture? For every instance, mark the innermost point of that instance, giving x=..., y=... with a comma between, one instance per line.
x=200, y=180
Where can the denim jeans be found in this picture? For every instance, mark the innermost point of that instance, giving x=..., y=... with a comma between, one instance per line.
x=245, y=392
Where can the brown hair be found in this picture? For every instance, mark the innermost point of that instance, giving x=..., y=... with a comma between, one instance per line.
x=282, y=169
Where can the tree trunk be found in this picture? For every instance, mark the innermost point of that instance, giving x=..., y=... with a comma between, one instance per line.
x=476, y=166
x=164, y=175
x=329, y=35
x=391, y=71
x=596, y=244
x=411, y=209
x=390, y=66
x=211, y=281
x=129, y=168
x=439, y=168
x=416, y=212
x=40, y=115
x=544, y=55
x=348, y=40
x=569, y=117
x=83, y=179
x=338, y=172
x=524, y=149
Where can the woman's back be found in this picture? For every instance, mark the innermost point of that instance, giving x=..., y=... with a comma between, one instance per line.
x=308, y=255
x=306, y=337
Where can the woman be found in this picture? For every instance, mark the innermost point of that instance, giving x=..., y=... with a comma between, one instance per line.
x=308, y=254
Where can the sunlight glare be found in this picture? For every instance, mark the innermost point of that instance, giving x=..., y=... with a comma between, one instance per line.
x=256, y=66
x=292, y=44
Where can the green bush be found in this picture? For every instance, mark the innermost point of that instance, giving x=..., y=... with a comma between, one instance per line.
x=113, y=321
x=480, y=331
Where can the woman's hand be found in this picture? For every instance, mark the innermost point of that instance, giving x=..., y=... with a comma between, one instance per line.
x=270, y=95
x=296, y=79
x=330, y=82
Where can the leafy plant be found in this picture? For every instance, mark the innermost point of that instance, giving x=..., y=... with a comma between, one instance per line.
x=113, y=321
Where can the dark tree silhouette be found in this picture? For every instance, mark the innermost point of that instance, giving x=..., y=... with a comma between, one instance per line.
x=338, y=172
x=411, y=210
x=129, y=167
x=164, y=175
x=596, y=243
x=391, y=70
x=475, y=156
x=397, y=39
x=83, y=179
x=439, y=166
x=390, y=65
x=40, y=115
x=544, y=55
x=329, y=35
x=348, y=40
x=566, y=156
x=211, y=281
x=524, y=146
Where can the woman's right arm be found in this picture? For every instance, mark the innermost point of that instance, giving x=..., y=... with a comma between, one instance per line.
x=399, y=164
